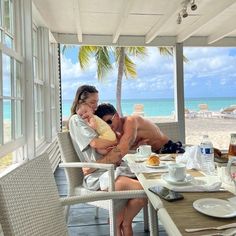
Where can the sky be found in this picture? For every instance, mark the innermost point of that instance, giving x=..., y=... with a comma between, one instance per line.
x=209, y=72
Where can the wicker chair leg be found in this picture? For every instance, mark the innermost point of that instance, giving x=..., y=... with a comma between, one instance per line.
x=66, y=212
x=97, y=213
x=145, y=219
x=153, y=221
x=112, y=218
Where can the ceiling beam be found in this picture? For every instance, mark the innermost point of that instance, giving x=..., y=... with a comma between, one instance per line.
x=219, y=8
x=172, y=9
x=125, y=13
x=77, y=20
x=161, y=41
x=228, y=27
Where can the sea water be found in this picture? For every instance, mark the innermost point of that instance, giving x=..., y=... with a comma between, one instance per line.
x=152, y=107
x=160, y=106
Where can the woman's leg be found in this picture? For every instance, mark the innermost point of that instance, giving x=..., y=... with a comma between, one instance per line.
x=133, y=206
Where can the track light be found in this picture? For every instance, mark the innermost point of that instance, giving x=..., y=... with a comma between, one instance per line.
x=184, y=12
x=179, y=19
x=193, y=6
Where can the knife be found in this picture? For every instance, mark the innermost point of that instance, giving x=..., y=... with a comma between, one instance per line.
x=227, y=226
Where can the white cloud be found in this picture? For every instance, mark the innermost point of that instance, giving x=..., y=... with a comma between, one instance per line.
x=207, y=68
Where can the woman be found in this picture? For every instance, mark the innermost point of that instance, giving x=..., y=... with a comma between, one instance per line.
x=85, y=141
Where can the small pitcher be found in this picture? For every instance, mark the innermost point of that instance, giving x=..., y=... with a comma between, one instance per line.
x=232, y=162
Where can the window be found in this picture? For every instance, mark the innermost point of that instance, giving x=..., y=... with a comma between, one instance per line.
x=38, y=90
x=6, y=23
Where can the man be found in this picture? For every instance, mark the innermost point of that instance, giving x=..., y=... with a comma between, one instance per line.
x=136, y=130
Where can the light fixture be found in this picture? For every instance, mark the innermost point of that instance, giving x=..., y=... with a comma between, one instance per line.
x=193, y=6
x=183, y=13
x=179, y=19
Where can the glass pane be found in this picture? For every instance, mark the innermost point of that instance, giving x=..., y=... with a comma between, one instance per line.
x=17, y=80
x=18, y=119
x=41, y=129
x=8, y=15
x=35, y=44
x=1, y=11
x=8, y=41
x=36, y=126
x=7, y=126
x=35, y=64
x=7, y=69
x=0, y=34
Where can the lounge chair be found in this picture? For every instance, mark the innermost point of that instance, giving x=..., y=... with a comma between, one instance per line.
x=30, y=204
x=203, y=110
x=229, y=112
x=189, y=114
x=138, y=110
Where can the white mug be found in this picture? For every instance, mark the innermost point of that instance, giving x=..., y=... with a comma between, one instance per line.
x=144, y=150
x=177, y=171
x=231, y=161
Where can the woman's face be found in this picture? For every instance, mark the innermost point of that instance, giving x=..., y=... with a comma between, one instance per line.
x=92, y=101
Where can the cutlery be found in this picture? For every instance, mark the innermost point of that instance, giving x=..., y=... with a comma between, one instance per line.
x=227, y=232
x=233, y=225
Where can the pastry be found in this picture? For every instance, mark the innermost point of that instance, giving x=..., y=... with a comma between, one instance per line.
x=153, y=160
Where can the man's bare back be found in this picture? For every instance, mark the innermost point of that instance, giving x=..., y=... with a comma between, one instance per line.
x=145, y=130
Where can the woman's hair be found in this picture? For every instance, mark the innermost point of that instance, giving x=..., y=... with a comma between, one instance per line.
x=82, y=94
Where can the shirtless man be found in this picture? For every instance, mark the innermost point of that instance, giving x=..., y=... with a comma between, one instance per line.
x=133, y=130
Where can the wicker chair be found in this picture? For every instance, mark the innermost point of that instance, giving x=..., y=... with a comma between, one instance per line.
x=30, y=204
x=74, y=177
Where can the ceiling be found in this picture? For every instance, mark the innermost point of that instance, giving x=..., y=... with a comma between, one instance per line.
x=138, y=22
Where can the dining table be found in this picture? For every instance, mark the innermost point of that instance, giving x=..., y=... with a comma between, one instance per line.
x=176, y=216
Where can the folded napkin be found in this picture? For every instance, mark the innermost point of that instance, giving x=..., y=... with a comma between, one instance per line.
x=198, y=188
x=167, y=157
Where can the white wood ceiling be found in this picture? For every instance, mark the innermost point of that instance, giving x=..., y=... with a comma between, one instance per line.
x=138, y=22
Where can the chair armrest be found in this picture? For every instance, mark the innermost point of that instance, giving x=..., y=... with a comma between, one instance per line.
x=109, y=167
x=98, y=196
x=87, y=164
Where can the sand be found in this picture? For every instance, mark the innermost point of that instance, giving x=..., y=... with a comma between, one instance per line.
x=218, y=129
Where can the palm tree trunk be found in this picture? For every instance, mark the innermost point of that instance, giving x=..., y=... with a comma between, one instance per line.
x=119, y=80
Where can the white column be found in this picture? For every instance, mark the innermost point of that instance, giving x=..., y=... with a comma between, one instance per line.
x=29, y=80
x=179, y=89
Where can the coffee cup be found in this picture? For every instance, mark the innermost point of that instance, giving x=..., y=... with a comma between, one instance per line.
x=144, y=150
x=177, y=171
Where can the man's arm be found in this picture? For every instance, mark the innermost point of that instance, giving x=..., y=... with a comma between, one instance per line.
x=130, y=128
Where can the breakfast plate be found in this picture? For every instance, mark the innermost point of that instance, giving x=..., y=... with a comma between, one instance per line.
x=161, y=165
x=215, y=207
x=189, y=178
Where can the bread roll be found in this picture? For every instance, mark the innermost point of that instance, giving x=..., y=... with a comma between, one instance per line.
x=153, y=160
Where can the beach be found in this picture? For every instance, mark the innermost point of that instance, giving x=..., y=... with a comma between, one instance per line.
x=218, y=129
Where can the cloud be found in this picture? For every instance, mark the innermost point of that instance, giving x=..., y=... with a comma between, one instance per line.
x=208, y=69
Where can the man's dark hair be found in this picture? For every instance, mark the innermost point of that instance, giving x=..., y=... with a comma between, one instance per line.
x=105, y=109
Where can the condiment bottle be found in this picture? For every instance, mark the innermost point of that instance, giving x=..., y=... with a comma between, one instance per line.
x=232, y=146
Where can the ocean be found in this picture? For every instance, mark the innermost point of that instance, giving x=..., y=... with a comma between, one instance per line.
x=152, y=107
x=160, y=106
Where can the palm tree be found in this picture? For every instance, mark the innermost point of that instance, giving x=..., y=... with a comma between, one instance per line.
x=104, y=55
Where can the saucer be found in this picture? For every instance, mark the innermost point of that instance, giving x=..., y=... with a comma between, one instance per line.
x=170, y=180
x=161, y=165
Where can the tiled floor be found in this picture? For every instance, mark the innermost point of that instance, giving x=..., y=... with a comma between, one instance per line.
x=82, y=216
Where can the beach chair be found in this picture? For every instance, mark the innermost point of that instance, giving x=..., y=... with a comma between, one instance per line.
x=30, y=204
x=189, y=114
x=138, y=110
x=203, y=110
x=229, y=112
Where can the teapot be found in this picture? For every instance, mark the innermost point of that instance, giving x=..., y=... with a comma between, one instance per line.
x=232, y=162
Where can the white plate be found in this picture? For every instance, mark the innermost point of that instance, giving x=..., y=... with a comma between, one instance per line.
x=168, y=179
x=161, y=165
x=215, y=207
